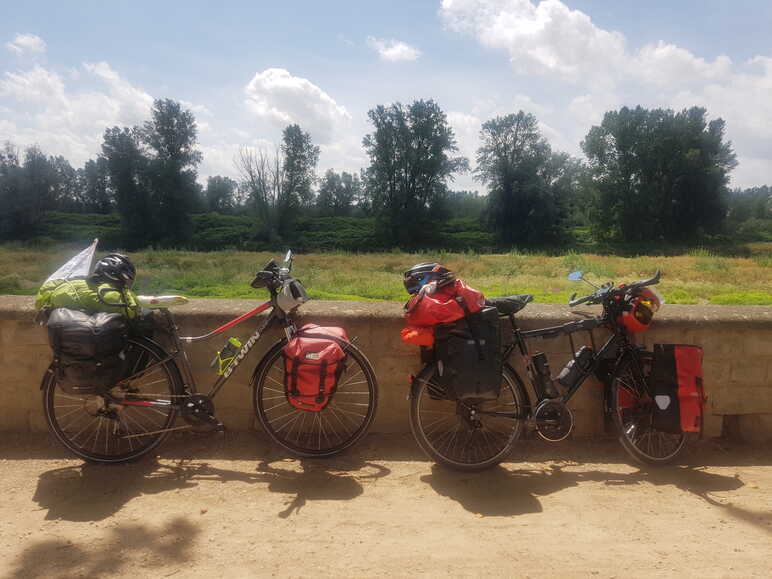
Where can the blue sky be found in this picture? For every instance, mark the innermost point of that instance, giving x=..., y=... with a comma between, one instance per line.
x=246, y=69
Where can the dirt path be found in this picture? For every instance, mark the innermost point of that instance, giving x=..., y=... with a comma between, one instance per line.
x=233, y=507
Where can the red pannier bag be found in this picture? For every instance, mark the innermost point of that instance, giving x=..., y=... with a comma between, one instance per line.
x=447, y=304
x=679, y=396
x=313, y=362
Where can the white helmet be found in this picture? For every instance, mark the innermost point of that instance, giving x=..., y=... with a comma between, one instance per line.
x=291, y=295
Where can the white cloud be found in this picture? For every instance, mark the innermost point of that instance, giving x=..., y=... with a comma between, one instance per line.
x=26, y=43
x=281, y=98
x=549, y=39
x=40, y=108
x=466, y=127
x=392, y=50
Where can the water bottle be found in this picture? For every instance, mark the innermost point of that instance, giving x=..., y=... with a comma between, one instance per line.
x=225, y=356
x=542, y=380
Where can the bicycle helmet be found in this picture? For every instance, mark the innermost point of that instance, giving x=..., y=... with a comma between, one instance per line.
x=423, y=273
x=115, y=268
x=642, y=308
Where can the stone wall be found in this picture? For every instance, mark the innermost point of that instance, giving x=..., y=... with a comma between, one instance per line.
x=737, y=343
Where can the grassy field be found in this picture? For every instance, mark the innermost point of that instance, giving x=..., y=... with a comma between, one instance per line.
x=698, y=277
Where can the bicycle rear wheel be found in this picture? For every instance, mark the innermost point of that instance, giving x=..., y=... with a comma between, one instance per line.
x=448, y=432
x=338, y=426
x=97, y=428
x=632, y=405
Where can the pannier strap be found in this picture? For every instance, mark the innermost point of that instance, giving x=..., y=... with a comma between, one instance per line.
x=342, y=343
x=294, y=376
x=322, y=379
x=472, y=329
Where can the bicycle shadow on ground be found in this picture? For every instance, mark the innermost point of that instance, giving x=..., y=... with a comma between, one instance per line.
x=503, y=493
x=123, y=548
x=94, y=492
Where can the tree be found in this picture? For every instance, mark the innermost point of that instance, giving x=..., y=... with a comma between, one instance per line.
x=465, y=204
x=170, y=137
x=263, y=180
x=410, y=166
x=127, y=170
x=337, y=194
x=658, y=174
x=11, y=187
x=94, y=185
x=528, y=183
x=220, y=194
x=300, y=159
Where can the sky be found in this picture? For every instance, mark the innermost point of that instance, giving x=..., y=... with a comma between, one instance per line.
x=247, y=69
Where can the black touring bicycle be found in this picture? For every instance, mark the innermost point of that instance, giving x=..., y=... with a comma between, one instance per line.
x=472, y=434
x=130, y=416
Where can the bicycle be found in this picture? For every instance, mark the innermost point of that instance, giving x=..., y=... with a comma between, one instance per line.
x=132, y=417
x=476, y=435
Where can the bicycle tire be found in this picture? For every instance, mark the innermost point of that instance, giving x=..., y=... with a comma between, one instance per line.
x=424, y=401
x=122, y=419
x=632, y=409
x=341, y=423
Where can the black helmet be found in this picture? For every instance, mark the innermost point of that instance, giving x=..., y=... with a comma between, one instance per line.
x=422, y=273
x=116, y=268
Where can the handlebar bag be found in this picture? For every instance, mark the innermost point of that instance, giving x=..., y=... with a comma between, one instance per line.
x=677, y=386
x=468, y=354
x=88, y=349
x=314, y=360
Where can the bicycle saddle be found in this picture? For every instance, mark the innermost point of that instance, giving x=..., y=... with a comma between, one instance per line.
x=508, y=305
x=157, y=302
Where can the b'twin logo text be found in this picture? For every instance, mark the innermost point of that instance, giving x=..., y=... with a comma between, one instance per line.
x=244, y=351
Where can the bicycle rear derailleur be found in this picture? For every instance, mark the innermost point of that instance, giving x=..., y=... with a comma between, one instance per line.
x=553, y=419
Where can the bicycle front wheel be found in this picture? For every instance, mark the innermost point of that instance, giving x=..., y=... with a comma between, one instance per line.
x=632, y=404
x=462, y=435
x=329, y=431
x=98, y=428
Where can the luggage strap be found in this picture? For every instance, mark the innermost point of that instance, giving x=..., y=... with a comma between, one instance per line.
x=342, y=343
x=472, y=330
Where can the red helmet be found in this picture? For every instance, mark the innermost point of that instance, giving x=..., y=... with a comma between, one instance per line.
x=640, y=310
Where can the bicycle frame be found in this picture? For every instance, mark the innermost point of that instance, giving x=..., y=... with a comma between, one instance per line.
x=179, y=342
x=615, y=346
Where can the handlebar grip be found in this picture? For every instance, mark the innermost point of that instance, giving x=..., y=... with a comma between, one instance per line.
x=652, y=281
x=573, y=303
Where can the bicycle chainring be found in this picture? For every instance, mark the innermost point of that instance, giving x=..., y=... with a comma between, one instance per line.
x=554, y=420
x=198, y=409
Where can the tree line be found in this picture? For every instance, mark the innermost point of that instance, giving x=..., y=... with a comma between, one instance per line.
x=648, y=175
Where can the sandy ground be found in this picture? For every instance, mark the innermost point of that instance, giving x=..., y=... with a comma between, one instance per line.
x=231, y=506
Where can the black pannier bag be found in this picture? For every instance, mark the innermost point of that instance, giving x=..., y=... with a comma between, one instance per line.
x=676, y=382
x=468, y=355
x=88, y=349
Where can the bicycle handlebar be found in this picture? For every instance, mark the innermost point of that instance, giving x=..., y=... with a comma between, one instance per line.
x=596, y=297
x=574, y=303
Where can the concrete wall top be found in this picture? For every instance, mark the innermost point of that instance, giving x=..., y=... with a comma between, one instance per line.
x=534, y=315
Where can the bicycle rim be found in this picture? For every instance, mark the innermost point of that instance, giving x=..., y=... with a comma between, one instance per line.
x=338, y=426
x=633, y=409
x=98, y=430
x=445, y=436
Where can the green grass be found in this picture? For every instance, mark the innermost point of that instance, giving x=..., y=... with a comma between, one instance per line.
x=698, y=277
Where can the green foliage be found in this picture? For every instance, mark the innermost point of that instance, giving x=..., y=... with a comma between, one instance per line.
x=658, y=174
x=529, y=185
x=220, y=194
x=742, y=299
x=337, y=194
x=300, y=159
x=410, y=165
